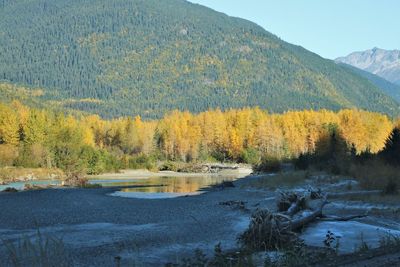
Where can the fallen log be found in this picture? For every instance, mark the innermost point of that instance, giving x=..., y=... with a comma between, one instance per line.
x=342, y=219
x=270, y=230
x=303, y=221
x=296, y=206
x=354, y=193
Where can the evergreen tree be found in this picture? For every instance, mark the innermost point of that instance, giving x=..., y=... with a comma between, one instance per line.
x=391, y=151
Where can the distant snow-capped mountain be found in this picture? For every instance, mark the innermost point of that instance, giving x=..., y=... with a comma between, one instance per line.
x=384, y=63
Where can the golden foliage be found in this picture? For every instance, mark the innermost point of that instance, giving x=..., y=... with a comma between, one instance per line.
x=185, y=136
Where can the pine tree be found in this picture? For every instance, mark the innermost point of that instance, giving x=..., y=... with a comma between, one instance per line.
x=391, y=152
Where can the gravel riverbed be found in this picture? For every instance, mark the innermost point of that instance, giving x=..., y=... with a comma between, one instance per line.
x=96, y=227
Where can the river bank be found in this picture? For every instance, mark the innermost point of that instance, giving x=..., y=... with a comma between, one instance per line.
x=95, y=227
x=144, y=174
x=16, y=174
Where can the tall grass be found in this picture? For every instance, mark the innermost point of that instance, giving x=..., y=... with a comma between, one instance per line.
x=37, y=251
x=375, y=174
x=280, y=179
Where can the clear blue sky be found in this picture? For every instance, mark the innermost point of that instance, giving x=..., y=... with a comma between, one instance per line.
x=330, y=28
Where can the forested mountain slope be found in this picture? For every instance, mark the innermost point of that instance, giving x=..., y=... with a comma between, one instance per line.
x=389, y=88
x=119, y=57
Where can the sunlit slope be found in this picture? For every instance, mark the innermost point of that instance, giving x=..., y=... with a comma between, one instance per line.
x=118, y=57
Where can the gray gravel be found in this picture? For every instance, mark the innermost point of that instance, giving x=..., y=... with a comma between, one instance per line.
x=97, y=227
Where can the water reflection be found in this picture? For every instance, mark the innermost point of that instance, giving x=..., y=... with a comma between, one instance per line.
x=150, y=187
x=166, y=187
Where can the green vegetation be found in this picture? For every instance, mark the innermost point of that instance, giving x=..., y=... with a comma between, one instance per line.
x=374, y=171
x=147, y=57
x=389, y=88
x=79, y=144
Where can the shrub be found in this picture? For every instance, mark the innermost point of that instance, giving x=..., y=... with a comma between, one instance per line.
x=169, y=166
x=302, y=162
x=91, y=186
x=391, y=187
x=250, y=156
x=142, y=162
x=33, y=156
x=268, y=165
x=8, y=154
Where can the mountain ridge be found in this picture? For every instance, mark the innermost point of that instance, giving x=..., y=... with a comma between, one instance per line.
x=148, y=57
x=381, y=62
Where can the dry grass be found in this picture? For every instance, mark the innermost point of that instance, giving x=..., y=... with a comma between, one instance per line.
x=376, y=175
x=10, y=174
x=280, y=179
x=392, y=199
x=37, y=251
x=268, y=231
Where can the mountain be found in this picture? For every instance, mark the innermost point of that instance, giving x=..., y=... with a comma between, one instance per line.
x=389, y=88
x=384, y=63
x=120, y=57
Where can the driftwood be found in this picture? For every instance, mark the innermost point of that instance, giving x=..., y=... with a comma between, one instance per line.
x=216, y=167
x=354, y=193
x=310, y=217
x=271, y=230
x=343, y=218
x=75, y=180
x=295, y=206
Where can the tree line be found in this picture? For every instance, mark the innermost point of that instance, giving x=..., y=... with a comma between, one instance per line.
x=31, y=137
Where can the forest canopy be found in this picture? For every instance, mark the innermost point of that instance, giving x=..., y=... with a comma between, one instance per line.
x=31, y=137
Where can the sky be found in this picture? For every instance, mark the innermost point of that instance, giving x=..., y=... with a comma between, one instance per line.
x=330, y=28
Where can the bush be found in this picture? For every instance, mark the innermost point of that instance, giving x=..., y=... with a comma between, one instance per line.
x=250, y=156
x=391, y=188
x=169, y=166
x=8, y=154
x=33, y=156
x=96, y=161
x=91, y=186
x=142, y=162
x=302, y=162
x=268, y=165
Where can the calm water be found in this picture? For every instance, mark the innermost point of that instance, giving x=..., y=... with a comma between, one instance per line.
x=151, y=187
x=21, y=185
x=164, y=187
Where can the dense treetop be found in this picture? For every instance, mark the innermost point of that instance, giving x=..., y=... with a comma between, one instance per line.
x=42, y=138
x=119, y=57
